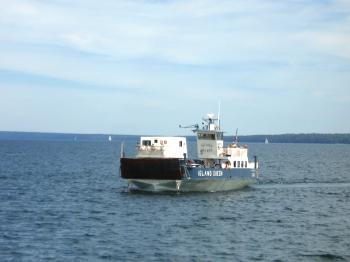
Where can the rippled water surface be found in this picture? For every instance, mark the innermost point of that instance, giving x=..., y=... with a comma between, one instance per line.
x=64, y=201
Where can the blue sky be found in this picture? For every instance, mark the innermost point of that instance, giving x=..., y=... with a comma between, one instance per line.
x=144, y=67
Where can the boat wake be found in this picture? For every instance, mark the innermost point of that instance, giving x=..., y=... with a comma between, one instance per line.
x=273, y=185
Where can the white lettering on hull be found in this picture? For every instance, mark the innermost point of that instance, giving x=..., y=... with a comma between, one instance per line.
x=203, y=173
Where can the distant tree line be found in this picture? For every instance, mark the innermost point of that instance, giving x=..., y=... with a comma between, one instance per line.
x=299, y=138
x=42, y=136
x=284, y=138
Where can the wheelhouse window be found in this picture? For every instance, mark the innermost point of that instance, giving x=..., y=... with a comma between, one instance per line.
x=146, y=142
x=156, y=141
x=219, y=136
x=206, y=136
x=180, y=143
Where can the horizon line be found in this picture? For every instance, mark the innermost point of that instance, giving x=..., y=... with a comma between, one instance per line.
x=111, y=134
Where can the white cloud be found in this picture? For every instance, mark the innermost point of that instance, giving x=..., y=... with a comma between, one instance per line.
x=242, y=50
x=189, y=32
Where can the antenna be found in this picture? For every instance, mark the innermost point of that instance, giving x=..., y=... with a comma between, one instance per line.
x=219, y=113
x=236, y=139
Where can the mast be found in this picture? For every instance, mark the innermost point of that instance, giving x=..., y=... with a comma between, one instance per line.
x=236, y=138
x=219, y=114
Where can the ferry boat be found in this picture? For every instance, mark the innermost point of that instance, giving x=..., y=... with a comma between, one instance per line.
x=162, y=163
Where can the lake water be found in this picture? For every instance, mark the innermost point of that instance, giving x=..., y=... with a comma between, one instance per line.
x=65, y=201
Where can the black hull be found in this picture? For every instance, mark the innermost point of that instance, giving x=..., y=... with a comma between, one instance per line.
x=151, y=168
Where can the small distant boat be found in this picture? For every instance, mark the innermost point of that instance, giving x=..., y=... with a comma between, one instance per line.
x=266, y=141
x=161, y=163
x=110, y=138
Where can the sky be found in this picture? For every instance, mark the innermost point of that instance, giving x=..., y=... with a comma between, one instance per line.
x=146, y=66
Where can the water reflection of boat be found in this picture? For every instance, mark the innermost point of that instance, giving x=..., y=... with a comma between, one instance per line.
x=161, y=163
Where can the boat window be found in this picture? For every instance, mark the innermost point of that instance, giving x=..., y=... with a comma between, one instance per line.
x=219, y=136
x=146, y=142
x=239, y=163
x=246, y=164
x=234, y=163
x=205, y=136
x=180, y=143
x=155, y=141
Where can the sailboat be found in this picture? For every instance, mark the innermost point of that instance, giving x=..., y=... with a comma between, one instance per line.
x=266, y=141
x=110, y=138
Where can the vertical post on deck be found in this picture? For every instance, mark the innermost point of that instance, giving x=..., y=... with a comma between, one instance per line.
x=255, y=162
x=122, y=153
